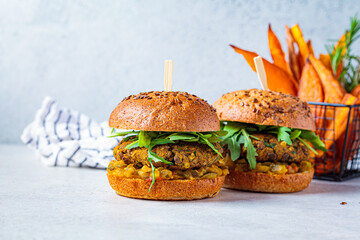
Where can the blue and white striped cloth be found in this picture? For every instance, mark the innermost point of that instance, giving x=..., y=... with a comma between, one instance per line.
x=64, y=137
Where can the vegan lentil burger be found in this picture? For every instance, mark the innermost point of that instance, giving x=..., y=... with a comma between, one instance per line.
x=170, y=150
x=267, y=141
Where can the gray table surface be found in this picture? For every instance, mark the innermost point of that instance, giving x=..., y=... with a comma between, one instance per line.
x=40, y=202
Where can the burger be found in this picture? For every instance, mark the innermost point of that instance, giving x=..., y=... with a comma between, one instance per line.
x=269, y=141
x=170, y=147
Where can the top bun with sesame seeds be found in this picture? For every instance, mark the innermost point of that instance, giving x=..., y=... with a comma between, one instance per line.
x=164, y=111
x=265, y=108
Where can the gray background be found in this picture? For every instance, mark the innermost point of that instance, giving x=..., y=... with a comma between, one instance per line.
x=90, y=54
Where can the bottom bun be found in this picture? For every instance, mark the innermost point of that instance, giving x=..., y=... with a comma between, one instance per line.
x=263, y=182
x=166, y=189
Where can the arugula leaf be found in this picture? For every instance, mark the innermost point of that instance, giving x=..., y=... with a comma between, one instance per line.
x=160, y=141
x=122, y=133
x=306, y=144
x=220, y=133
x=256, y=138
x=250, y=149
x=206, y=135
x=308, y=135
x=231, y=128
x=284, y=135
x=241, y=139
x=156, y=158
x=210, y=144
x=313, y=139
x=183, y=136
x=134, y=137
x=132, y=145
x=196, y=139
x=152, y=134
x=251, y=129
x=234, y=145
x=144, y=139
x=214, y=139
x=294, y=134
x=153, y=172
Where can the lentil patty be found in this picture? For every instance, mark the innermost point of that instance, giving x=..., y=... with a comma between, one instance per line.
x=183, y=155
x=270, y=149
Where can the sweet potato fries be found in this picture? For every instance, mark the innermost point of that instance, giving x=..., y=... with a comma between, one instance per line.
x=313, y=79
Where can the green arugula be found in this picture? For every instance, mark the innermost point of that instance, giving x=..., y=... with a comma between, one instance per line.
x=153, y=172
x=151, y=139
x=295, y=134
x=237, y=135
x=240, y=134
x=312, y=138
x=284, y=134
x=250, y=149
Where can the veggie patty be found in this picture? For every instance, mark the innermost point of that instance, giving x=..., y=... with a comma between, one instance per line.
x=270, y=149
x=182, y=155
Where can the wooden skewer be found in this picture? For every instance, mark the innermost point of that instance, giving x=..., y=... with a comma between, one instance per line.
x=260, y=70
x=168, y=75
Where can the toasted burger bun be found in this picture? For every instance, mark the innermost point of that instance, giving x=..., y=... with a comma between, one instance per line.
x=166, y=189
x=263, y=182
x=165, y=111
x=265, y=108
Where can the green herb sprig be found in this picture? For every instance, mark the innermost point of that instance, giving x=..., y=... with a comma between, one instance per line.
x=350, y=74
x=151, y=139
x=240, y=134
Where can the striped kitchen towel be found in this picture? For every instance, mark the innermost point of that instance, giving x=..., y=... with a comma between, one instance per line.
x=64, y=137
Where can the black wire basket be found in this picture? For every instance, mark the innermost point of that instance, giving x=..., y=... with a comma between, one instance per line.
x=338, y=126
